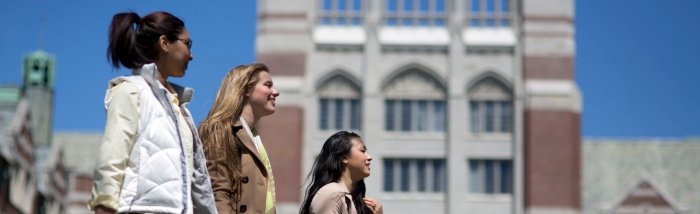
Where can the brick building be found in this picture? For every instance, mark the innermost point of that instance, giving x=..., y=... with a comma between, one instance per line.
x=467, y=106
x=33, y=178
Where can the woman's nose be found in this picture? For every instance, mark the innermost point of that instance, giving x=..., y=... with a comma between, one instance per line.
x=275, y=92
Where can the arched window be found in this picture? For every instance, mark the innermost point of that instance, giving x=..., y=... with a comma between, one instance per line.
x=415, y=102
x=340, y=104
x=491, y=107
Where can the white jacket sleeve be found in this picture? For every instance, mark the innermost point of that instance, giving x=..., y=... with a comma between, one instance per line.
x=122, y=104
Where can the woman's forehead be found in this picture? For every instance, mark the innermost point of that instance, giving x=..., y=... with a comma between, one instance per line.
x=357, y=142
x=184, y=33
x=264, y=76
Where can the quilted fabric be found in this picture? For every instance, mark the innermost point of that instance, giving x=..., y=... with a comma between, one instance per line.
x=155, y=180
x=154, y=176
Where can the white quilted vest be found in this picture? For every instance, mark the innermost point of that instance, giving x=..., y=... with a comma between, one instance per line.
x=156, y=180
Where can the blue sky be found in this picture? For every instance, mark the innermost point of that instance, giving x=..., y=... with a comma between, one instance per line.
x=637, y=63
x=638, y=67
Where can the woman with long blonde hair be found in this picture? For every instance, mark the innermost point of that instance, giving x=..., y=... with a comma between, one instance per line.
x=236, y=158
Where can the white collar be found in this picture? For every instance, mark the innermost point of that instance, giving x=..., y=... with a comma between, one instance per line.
x=256, y=139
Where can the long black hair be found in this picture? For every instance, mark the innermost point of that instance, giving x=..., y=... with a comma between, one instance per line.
x=328, y=168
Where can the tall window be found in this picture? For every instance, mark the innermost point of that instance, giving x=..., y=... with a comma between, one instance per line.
x=491, y=116
x=414, y=103
x=341, y=12
x=414, y=175
x=490, y=107
x=340, y=105
x=339, y=114
x=415, y=115
x=415, y=13
x=491, y=176
x=488, y=13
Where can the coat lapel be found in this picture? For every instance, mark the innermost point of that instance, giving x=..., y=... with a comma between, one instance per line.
x=247, y=142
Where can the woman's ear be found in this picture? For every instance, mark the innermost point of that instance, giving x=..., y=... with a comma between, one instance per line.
x=345, y=160
x=163, y=43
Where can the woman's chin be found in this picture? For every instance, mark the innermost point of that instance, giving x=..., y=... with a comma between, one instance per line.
x=178, y=74
x=269, y=111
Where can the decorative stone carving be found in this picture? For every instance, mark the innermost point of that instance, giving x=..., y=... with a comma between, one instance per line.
x=414, y=84
x=489, y=89
x=339, y=87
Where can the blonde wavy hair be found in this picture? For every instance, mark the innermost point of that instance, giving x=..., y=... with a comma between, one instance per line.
x=216, y=130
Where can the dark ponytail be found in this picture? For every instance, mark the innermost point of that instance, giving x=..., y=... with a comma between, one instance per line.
x=122, y=40
x=132, y=39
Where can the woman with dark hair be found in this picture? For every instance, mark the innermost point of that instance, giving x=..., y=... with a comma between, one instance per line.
x=151, y=159
x=241, y=174
x=337, y=184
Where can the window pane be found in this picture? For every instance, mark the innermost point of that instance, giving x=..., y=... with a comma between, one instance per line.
x=489, y=116
x=356, y=21
x=474, y=176
x=405, y=175
x=504, y=6
x=440, y=5
x=391, y=22
x=422, y=115
x=341, y=21
x=506, y=177
x=389, y=115
x=339, y=112
x=438, y=175
x=490, y=23
x=323, y=123
x=391, y=5
x=475, y=6
x=424, y=6
x=506, y=112
x=408, y=6
x=407, y=22
x=406, y=115
x=475, y=23
x=489, y=182
x=423, y=22
x=343, y=5
x=326, y=5
x=505, y=23
x=420, y=164
x=439, y=22
x=490, y=6
x=326, y=21
x=388, y=175
x=355, y=114
x=474, y=117
x=357, y=5
x=439, y=116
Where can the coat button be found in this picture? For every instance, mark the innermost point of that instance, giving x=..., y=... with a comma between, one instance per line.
x=244, y=208
x=245, y=179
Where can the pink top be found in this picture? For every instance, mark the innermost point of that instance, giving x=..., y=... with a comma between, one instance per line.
x=333, y=198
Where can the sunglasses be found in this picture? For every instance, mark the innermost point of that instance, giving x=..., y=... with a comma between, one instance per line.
x=188, y=42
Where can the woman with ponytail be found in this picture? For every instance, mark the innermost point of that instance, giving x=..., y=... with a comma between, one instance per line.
x=241, y=174
x=151, y=158
x=337, y=178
